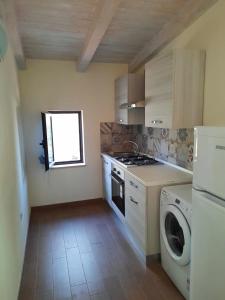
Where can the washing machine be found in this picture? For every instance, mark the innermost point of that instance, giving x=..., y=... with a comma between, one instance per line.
x=175, y=234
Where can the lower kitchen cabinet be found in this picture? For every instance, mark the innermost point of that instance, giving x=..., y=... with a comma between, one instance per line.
x=142, y=217
x=142, y=202
x=106, y=174
x=136, y=217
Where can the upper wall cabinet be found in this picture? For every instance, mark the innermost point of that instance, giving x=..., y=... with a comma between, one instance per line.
x=129, y=99
x=174, y=89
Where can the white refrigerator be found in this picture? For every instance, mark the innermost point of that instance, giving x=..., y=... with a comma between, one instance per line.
x=207, y=281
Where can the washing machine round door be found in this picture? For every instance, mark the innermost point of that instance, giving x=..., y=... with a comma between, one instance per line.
x=176, y=234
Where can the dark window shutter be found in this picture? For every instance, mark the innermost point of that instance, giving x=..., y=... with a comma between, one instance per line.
x=47, y=140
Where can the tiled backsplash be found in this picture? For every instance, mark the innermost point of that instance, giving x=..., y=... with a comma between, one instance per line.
x=114, y=137
x=174, y=146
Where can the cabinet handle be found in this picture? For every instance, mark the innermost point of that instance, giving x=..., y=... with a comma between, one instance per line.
x=157, y=122
x=132, y=200
x=134, y=185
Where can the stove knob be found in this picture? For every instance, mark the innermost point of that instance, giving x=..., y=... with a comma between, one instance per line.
x=118, y=172
x=114, y=169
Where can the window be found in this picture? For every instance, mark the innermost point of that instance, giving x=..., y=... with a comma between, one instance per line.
x=62, y=138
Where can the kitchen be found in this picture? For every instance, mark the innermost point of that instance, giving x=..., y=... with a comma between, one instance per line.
x=135, y=137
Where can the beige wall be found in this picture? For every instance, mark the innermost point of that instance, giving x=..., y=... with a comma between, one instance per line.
x=208, y=33
x=14, y=209
x=49, y=85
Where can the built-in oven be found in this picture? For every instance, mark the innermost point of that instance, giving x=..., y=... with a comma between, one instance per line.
x=118, y=188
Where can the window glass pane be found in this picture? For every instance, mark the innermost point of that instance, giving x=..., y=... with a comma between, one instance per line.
x=66, y=137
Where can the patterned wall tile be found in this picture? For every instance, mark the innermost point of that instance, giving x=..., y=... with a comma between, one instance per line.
x=114, y=137
x=106, y=128
x=106, y=142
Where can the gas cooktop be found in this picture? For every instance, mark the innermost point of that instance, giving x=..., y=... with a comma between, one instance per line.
x=130, y=159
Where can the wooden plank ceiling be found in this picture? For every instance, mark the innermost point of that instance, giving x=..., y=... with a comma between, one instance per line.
x=59, y=29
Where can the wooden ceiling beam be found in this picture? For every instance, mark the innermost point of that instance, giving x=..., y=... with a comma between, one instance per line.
x=10, y=19
x=184, y=17
x=103, y=17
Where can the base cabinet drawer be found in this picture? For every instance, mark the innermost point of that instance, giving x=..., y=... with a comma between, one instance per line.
x=136, y=218
x=134, y=185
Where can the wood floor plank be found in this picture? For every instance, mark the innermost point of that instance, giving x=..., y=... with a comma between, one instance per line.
x=81, y=236
x=45, y=274
x=61, y=280
x=91, y=268
x=58, y=246
x=114, y=288
x=96, y=286
x=164, y=284
x=60, y=272
x=104, y=260
x=44, y=295
x=131, y=289
x=28, y=282
x=76, y=272
x=62, y=292
x=107, y=238
x=93, y=234
x=32, y=240
x=80, y=292
x=146, y=283
x=69, y=235
x=103, y=296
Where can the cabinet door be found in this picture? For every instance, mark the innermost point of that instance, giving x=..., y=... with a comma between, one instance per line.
x=121, y=97
x=121, y=114
x=189, y=74
x=107, y=180
x=121, y=87
x=136, y=217
x=159, y=91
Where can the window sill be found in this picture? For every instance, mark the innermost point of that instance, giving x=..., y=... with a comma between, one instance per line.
x=68, y=166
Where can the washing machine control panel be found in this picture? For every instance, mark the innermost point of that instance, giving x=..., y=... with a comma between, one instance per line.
x=169, y=199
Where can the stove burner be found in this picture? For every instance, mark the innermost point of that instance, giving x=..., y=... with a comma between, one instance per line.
x=123, y=159
x=136, y=160
x=129, y=163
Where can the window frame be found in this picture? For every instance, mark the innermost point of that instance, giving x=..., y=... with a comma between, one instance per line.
x=56, y=164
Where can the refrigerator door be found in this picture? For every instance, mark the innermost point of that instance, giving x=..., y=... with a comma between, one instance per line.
x=208, y=248
x=209, y=160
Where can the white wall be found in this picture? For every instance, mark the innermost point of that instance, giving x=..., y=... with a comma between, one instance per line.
x=48, y=85
x=13, y=186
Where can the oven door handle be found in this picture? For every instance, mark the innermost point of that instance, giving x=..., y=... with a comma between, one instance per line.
x=117, y=181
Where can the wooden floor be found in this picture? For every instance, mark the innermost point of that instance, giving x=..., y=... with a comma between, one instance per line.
x=82, y=253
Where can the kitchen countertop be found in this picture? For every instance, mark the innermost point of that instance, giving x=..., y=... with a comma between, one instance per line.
x=159, y=174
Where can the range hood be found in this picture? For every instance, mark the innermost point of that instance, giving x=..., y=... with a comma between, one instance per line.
x=133, y=105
